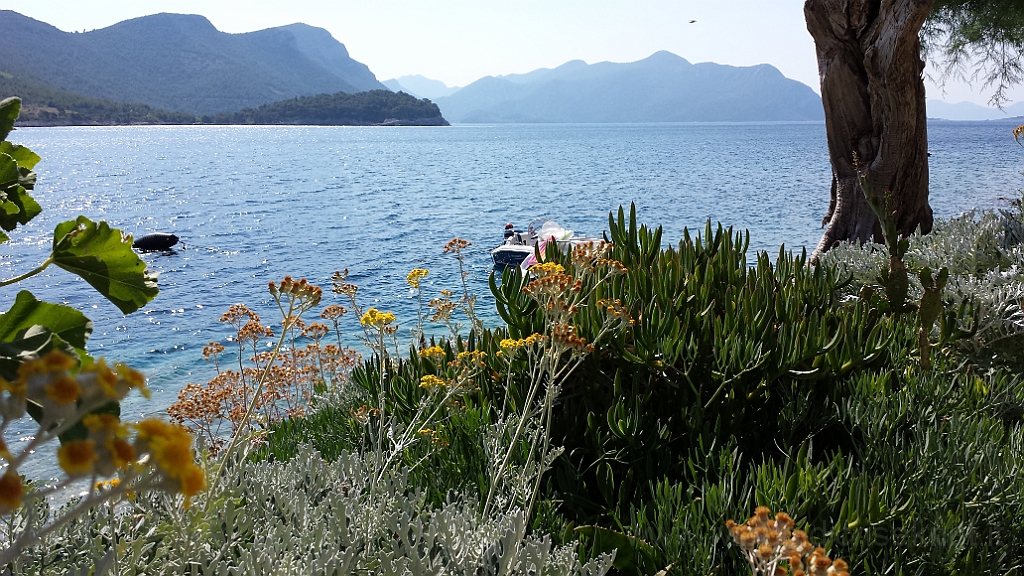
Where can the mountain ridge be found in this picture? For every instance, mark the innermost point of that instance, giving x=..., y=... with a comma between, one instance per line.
x=663, y=87
x=181, y=62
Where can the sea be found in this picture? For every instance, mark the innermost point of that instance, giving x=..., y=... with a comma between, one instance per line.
x=253, y=204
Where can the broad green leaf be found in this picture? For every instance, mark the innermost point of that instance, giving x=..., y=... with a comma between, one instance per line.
x=9, y=173
x=27, y=345
x=105, y=259
x=16, y=206
x=10, y=108
x=70, y=324
x=25, y=157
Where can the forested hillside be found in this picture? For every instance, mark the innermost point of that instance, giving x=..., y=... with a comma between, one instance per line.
x=376, y=107
x=44, y=105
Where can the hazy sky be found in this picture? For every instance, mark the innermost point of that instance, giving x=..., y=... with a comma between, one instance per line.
x=459, y=41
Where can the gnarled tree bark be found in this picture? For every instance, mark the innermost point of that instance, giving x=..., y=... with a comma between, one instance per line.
x=870, y=64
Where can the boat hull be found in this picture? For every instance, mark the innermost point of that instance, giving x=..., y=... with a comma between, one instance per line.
x=510, y=256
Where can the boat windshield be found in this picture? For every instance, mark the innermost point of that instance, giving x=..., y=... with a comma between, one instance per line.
x=536, y=225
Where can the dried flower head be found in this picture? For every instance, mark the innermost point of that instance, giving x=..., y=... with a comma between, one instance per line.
x=333, y=312
x=341, y=285
x=767, y=541
x=456, y=246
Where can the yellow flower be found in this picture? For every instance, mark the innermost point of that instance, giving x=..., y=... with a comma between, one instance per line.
x=105, y=377
x=171, y=446
x=122, y=453
x=16, y=388
x=77, y=457
x=374, y=317
x=55, y=361
x=107, y=485
x=107, y=423
x=510, y=344
x=415, y=276
x=63, y=390
x=11, y=491
x=192, y=480
x=133, y=378
x=431, y=382
x=434, y=353
x=547, y=268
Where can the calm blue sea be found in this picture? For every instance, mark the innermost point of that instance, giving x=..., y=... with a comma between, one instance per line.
x=253, y=204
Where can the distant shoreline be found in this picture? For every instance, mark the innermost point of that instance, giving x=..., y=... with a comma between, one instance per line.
x=441, y=122
x=433, y=121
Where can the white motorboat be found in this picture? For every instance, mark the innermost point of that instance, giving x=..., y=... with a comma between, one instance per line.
x=519, y=246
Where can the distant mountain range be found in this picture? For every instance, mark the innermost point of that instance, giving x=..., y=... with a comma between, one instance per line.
x=181, y=62
x=969, y=111
x=420, y=86
x=661, y=88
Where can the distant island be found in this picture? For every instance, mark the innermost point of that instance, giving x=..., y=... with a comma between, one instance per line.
x=372, y=108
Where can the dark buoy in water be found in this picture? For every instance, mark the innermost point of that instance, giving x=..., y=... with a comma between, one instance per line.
x=155, y=241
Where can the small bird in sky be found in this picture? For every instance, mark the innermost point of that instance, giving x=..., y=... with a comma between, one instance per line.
x=693, y=21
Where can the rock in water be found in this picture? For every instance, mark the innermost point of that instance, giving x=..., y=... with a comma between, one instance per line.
x=155, y=241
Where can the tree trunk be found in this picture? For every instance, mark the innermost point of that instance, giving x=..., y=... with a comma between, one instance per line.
x=869, y=60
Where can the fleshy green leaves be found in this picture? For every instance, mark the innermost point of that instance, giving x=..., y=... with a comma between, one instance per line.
x=104, y=259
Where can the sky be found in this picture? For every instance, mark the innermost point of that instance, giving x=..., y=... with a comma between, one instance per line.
x=459, y=41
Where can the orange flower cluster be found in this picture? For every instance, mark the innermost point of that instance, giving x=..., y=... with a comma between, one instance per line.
x=456, y=246
x=363, y=414
x=766, y=541
x=583, y=256
x=301, y=290
x=564, y=337
x=616, y=310
x=296, y=372
x=552, y=286
x=615, y=267
x=333, y=312
x=443, y=307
